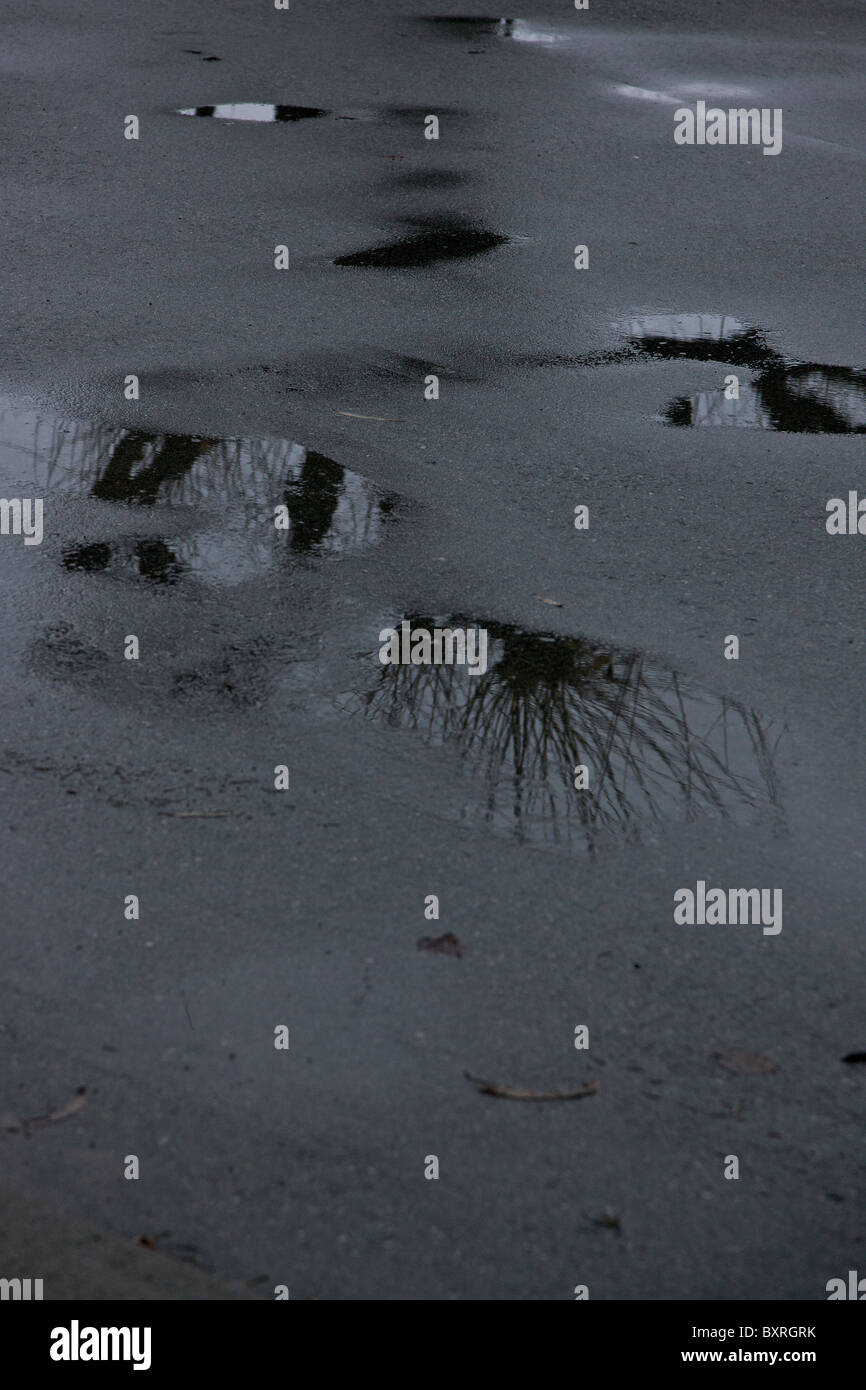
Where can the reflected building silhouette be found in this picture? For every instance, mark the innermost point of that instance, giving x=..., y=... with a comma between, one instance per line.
x=312, y=499
x=658, y=748
x=698, y=337
x=791, y=396
x=796, y=397
x=806, y=399
x=127, y=478
x=275, y=112
x=233, y=485
x=254, y=111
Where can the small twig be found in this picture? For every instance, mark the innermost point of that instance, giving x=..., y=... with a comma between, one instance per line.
x=490, y=1088
x=383, y=419
x=77, y=1103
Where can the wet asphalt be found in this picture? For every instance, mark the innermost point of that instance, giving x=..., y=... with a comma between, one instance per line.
x=305, y=388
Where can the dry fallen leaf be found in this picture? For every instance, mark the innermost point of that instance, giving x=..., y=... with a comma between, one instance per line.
x=490, y=1088
x=446, y=945
x=743, y=1063
x=554, y=603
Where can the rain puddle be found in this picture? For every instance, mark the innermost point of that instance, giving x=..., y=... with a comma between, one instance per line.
x=270, y=112
x=658, y=747
x=222, y=494
x=798, y=397
x=436, y=239
x=518, y=30
x=698, y=337
x=145, y=557
x=784, y=394
x=806, y=399
x=254, y=111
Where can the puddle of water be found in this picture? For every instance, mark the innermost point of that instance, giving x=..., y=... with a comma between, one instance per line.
x=805, y=399
x=254, y=111
x=658, y=748
x=785, y=395
x=666, y=337
x=270, y=112
x=436, y=239
x=232, y=486
x=147, y=557
x=519, y=30
x=699, y=337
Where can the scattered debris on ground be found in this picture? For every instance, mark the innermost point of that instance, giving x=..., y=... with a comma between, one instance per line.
x=445, y=945
x=743, y=1063
x=490, y=1088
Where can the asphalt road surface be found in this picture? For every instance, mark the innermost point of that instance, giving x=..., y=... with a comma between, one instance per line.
x=309, y=389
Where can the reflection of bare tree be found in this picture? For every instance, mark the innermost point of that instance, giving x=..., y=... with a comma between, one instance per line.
x=655, y=745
